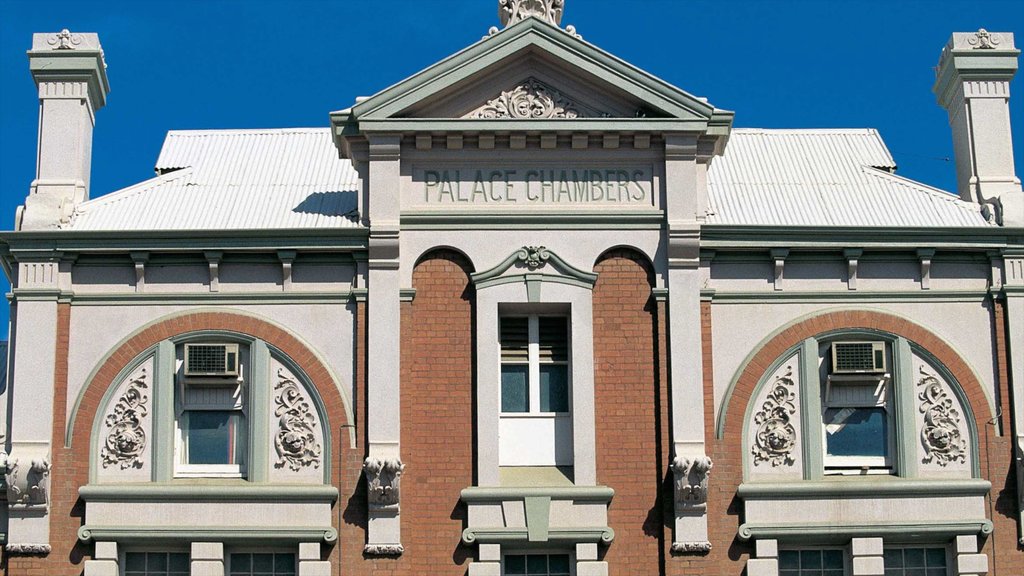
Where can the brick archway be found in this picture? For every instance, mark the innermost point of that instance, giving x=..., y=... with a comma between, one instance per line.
x=751, y=373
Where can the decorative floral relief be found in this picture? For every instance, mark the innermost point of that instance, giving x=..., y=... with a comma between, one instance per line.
x=512, y=11
x=943, y=443
x=383, y=549
x=27, y=549
x=702, y=547
x=296, y=434
x=126, y=440
x=776, y=438
x=531, y=100
x=533, y=256
x=984, y=40
x=691, y=479
x=64, y=40
x=383, y=481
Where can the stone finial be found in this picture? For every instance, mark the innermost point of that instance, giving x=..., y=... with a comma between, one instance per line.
x=984, y=40
x=64, y=40
x=512, y=11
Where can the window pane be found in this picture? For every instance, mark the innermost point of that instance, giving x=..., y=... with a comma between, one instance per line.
x=913, y=557
x=284, y=564
x=935, y=557
x=810, y=559
x=554, y=388
x=537, y=564
x=241, y=564
x=263, y=563
x=893, y=558
x=558, y=564
x=156, y=562
x=515, y=564
x=178, y=562
x=856, y=431
x=135, y=561
x=554, y=339
x=211, y=438
x=515, y=395
x=789, y=559
x=832, y=559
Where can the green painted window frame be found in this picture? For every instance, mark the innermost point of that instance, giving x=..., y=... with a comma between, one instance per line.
x=163, y=410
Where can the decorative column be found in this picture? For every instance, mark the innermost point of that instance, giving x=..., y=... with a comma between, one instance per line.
x=1013, y=289
x=685, y=202
x=37, y=288
x=383, y=466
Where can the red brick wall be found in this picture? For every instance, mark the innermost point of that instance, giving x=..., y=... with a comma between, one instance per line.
x=70, y=469
x=628, y=418
x=437, y=415
x=995, y=455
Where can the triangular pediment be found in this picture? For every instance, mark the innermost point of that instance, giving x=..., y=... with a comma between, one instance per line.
x=532, y=98
x=519, y=59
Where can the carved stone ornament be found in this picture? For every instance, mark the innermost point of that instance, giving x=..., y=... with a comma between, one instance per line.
x=776, y=438
x=295, y=440
x=532, y=100
x=28, y=482
x=383, y=481
x=691, y=547
x=691, y=480
x=512, y=11
x=64, y=40
x=126, y=440
x=533, y=256
x=984, y=40
x=943, y=443
x=383, y=549
x=27, y=549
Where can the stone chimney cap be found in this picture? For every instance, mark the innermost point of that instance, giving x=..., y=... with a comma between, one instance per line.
x=66, y=40
x=981, y=40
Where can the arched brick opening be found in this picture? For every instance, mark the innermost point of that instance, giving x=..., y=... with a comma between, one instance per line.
x=70, y=470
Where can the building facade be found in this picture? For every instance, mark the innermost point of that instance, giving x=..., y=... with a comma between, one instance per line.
x=529, y=311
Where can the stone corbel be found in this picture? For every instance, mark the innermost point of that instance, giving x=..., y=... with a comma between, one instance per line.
x=213, y=260
x=383, y=493
x=852, y=256
x=27, y=473
x=925, y=256
x=779, y=260
x=140, y=259
x=684, y=246
x=690, y=475
x=287, y=257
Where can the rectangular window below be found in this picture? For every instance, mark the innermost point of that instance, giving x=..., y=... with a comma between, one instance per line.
x=262, y=564
x=537, y=564
x=915, y=562
x=156, y=564
x=811, y=563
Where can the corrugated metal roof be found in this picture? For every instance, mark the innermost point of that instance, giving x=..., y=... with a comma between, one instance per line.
x=823, y=178
x=234, y=180
x=292, y=178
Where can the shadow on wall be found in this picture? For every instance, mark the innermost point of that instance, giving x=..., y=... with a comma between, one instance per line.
x=343, y=203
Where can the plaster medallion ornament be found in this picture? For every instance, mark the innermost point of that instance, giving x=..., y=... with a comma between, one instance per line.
x=530, y=100
x=126, y=440
x=691, y=479
x=296, y=438
x=776, y=438
x=943, y=443
x=533, y=256
x=984, y=40
x=383, y=481
x=64, y=40
x=383, y=549
x=512, y=11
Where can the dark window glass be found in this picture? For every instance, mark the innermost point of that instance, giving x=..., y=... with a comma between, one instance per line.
x=810, y=563
x=554, y=388
x=156, y=564
x=856, y=431
x=915, y=562
x=263, y=564
x=515, y=394
x=537, y=564
x=211, y=437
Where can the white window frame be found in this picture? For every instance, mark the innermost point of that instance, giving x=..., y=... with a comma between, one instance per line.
x=883, y=397
x=534, y=363
x=239, y=403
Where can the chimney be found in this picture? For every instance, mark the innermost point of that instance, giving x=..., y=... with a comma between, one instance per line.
x=973, y=85
x=71, y=76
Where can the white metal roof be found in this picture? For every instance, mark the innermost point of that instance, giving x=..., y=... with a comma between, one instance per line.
x=827, y=177
x=235, y=180
x=293, y=178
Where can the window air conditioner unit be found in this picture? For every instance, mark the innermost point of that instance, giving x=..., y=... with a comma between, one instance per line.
x=211, y=360
x=858, y=358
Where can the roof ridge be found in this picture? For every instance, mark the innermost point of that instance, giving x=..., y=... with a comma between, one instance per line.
x=921, y=186
x=293, y=130
x=133, y=190
x=751, y=130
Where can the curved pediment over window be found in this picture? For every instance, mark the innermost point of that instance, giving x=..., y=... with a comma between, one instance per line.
x=534, y=265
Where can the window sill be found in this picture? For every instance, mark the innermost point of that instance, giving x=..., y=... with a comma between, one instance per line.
x=207, y=489
x=870, y=485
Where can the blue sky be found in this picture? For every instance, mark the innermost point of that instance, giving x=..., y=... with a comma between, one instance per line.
x=259, y=63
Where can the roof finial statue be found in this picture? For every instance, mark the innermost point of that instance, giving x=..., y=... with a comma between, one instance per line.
x=512, y=11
